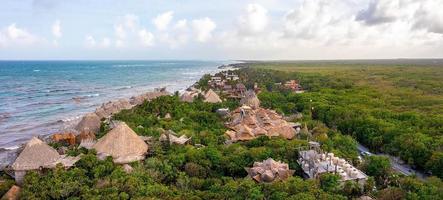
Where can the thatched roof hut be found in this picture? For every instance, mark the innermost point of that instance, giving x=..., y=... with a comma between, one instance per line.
x=35, y=155
x=123, y=144
x=172, y=138
x=212, y=97
x=188, y=96
x=269, y=170
x=89, y=123
x=250, y=99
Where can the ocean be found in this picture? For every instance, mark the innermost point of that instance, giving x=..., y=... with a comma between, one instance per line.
x=38, y=98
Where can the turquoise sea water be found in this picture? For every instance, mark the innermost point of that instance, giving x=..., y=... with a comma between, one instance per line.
x=42, y=97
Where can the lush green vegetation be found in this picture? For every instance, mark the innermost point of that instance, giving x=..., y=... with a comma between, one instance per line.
x=392, y=108
x=214, y=170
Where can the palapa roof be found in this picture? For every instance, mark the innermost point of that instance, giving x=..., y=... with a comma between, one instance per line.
x=250, y=123
x=90, y=122
x=250, y=99
x=212, y=97
x=269, y=170
x=188, y=96
x=35, y=155
x=123, y=144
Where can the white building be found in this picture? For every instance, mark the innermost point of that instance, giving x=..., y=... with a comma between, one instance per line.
x=314, y=162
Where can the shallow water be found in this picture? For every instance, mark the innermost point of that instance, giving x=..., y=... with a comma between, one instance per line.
x=42, y=97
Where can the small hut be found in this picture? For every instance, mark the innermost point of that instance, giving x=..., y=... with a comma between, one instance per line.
x=89, y=123
x=123, y=144
x=35, y=155
x=12, y=194
x=172, y=138
x=212, y=97
x=269, y=170
x=188, y=96
x=250, y=99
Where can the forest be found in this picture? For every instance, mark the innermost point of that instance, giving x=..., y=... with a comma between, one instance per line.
x=349, y=104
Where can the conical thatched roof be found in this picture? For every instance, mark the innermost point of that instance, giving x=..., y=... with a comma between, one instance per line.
x=250, y=99
x=123, y=144
x=36, y=154
x=212, y=97
x=188, y=96
x=89, y=123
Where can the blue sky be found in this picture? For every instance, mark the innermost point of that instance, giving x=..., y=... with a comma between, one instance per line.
x=230, y=29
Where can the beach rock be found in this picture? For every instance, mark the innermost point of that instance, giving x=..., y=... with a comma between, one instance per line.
x=12, y=194
x=89, y=123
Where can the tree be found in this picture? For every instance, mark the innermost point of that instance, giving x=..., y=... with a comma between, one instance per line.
x=329, y=182
x=377, y=166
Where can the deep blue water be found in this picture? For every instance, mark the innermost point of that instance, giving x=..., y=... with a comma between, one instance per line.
x=42, y=97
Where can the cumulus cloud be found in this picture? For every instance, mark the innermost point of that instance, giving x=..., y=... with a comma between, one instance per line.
x=146, y=37
x=131, y=21
x=90, y=41
x=162, y=21
x=379, y=11
x=56, y=29
x=429, y=16
x=13, y=36
x=203, y=28
x=254, y=20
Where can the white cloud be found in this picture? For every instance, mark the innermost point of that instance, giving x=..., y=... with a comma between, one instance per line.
x=131, y=21
x=120, y=32
x=162, y=21
x=13, y=35
x=146, y=37
x=203, y=28
x=429, y=16
x=255, y=20
x=106, y=42
x=90, y=41
x=56, y=29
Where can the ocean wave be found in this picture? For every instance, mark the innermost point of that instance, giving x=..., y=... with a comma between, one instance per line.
x=86, y=96
x=123, y=87
x=36, y=70
x=130, y=65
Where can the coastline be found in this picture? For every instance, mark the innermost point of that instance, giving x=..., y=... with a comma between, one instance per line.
x=8, y=154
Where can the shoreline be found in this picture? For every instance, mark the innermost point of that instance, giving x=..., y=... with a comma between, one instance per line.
x=8, y=154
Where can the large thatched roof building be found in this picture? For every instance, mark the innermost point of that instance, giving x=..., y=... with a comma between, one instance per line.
x=35, y=155
x=123, y=144
x=248, y=123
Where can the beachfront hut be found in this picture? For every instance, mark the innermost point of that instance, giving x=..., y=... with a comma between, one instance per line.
x=35, y=156
x=188, y=96
x=269, y=170
x=123, y=144
x=250, y=99
x=89, y=123
x=212, y=97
